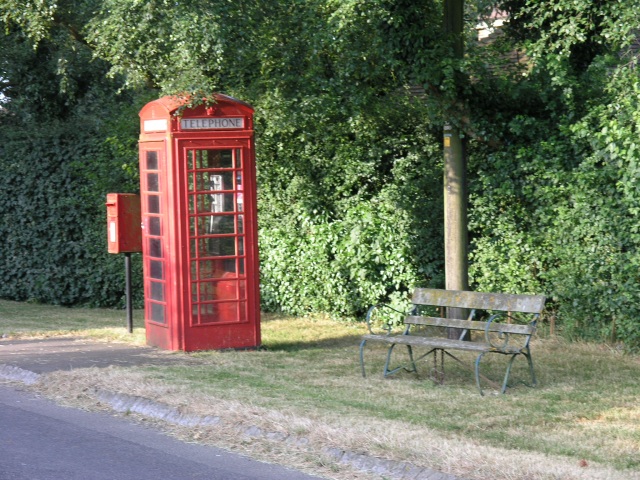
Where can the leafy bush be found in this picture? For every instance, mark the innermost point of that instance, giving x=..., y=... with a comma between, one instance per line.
x=559, y=215
x=349, y=204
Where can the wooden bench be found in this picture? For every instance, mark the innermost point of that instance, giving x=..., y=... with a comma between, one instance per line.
x=493, y=314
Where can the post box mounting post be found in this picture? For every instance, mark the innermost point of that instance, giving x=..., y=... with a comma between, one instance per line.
x=124, y=235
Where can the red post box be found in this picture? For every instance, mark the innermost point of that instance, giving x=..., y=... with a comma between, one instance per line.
x=123, y=223
x=200, y=249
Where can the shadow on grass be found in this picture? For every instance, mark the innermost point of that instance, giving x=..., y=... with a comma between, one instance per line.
x=333, y=343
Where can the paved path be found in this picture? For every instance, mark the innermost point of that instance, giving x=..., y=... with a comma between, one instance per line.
x=52, y=354
x=42, y=441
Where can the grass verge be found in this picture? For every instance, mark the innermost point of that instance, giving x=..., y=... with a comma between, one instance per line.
x=583, y=421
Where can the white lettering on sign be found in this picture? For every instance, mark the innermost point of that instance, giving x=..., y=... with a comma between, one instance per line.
x=155, y=125
x=211, y=123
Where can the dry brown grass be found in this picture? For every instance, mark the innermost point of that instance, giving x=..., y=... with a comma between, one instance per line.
x=394, y=438
x=582, y=422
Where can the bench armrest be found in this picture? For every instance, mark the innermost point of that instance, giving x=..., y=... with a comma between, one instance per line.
x=500, y=339
x=387, y=326
x=504, y=337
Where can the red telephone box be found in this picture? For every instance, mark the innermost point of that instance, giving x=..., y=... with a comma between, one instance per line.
x=199, y=225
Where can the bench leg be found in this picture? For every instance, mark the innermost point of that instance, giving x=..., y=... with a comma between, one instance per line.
x=437, y=374
x=478, y=372
x=502, y=388
x=527, y=354
x=414, y=369
x=508, y=372
x=388, y=372
x=412, y=362
x=362, y=344
x=505, y=383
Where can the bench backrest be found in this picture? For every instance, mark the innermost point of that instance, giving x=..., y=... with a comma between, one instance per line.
x=505, y=302
x=471, y=325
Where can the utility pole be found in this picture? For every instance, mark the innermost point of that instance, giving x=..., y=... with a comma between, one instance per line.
x=455, y=179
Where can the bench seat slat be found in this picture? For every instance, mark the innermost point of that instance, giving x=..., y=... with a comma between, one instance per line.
x=470, y=325
x=485, y=301
x=436, y=342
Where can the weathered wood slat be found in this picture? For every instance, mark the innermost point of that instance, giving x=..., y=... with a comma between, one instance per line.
x=470, y=325
x=437, y=342
x=485, y=301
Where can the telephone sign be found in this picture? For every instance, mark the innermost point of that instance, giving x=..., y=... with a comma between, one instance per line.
x=199, y=225
x=211, y=123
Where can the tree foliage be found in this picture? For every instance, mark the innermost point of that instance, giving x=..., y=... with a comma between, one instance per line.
x=349, y=162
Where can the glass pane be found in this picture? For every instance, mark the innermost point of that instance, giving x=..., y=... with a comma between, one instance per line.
x=242, y=312
x=213, y=181
x=157, y=291
x=213, y=159
x=216, y=203
x=190, y=182
x=191, y=160
x=155, y=248
x=216, y=247
x=154, y=204
x=226, y=159
x=152, y=160
x=242, y=289
x=240, y=246
x=198, y=159
x=207, y=313
x=238, y=158
x=240, y=223
x=240, y=197
x=194, y=270
x=153, y=184
x=154, y=226
x=157, y=312
x=207, y=291
x=207, y=269
x=227, y=312
x=227, y=290
x=241, y=266
x=229, y=267
x=216, y=224
x=155, y=268
x=207, y=181
x=217, y=268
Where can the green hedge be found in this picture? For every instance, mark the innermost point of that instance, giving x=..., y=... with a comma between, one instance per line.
x=53, y=184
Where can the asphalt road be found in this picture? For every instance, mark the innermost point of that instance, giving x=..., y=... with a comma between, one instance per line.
x=40, y=440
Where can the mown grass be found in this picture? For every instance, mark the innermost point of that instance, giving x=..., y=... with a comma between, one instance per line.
x=587, y=405
x=586, y=408
x=23, y=319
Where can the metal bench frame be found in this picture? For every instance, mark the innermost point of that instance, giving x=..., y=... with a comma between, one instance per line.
x=502, y=307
